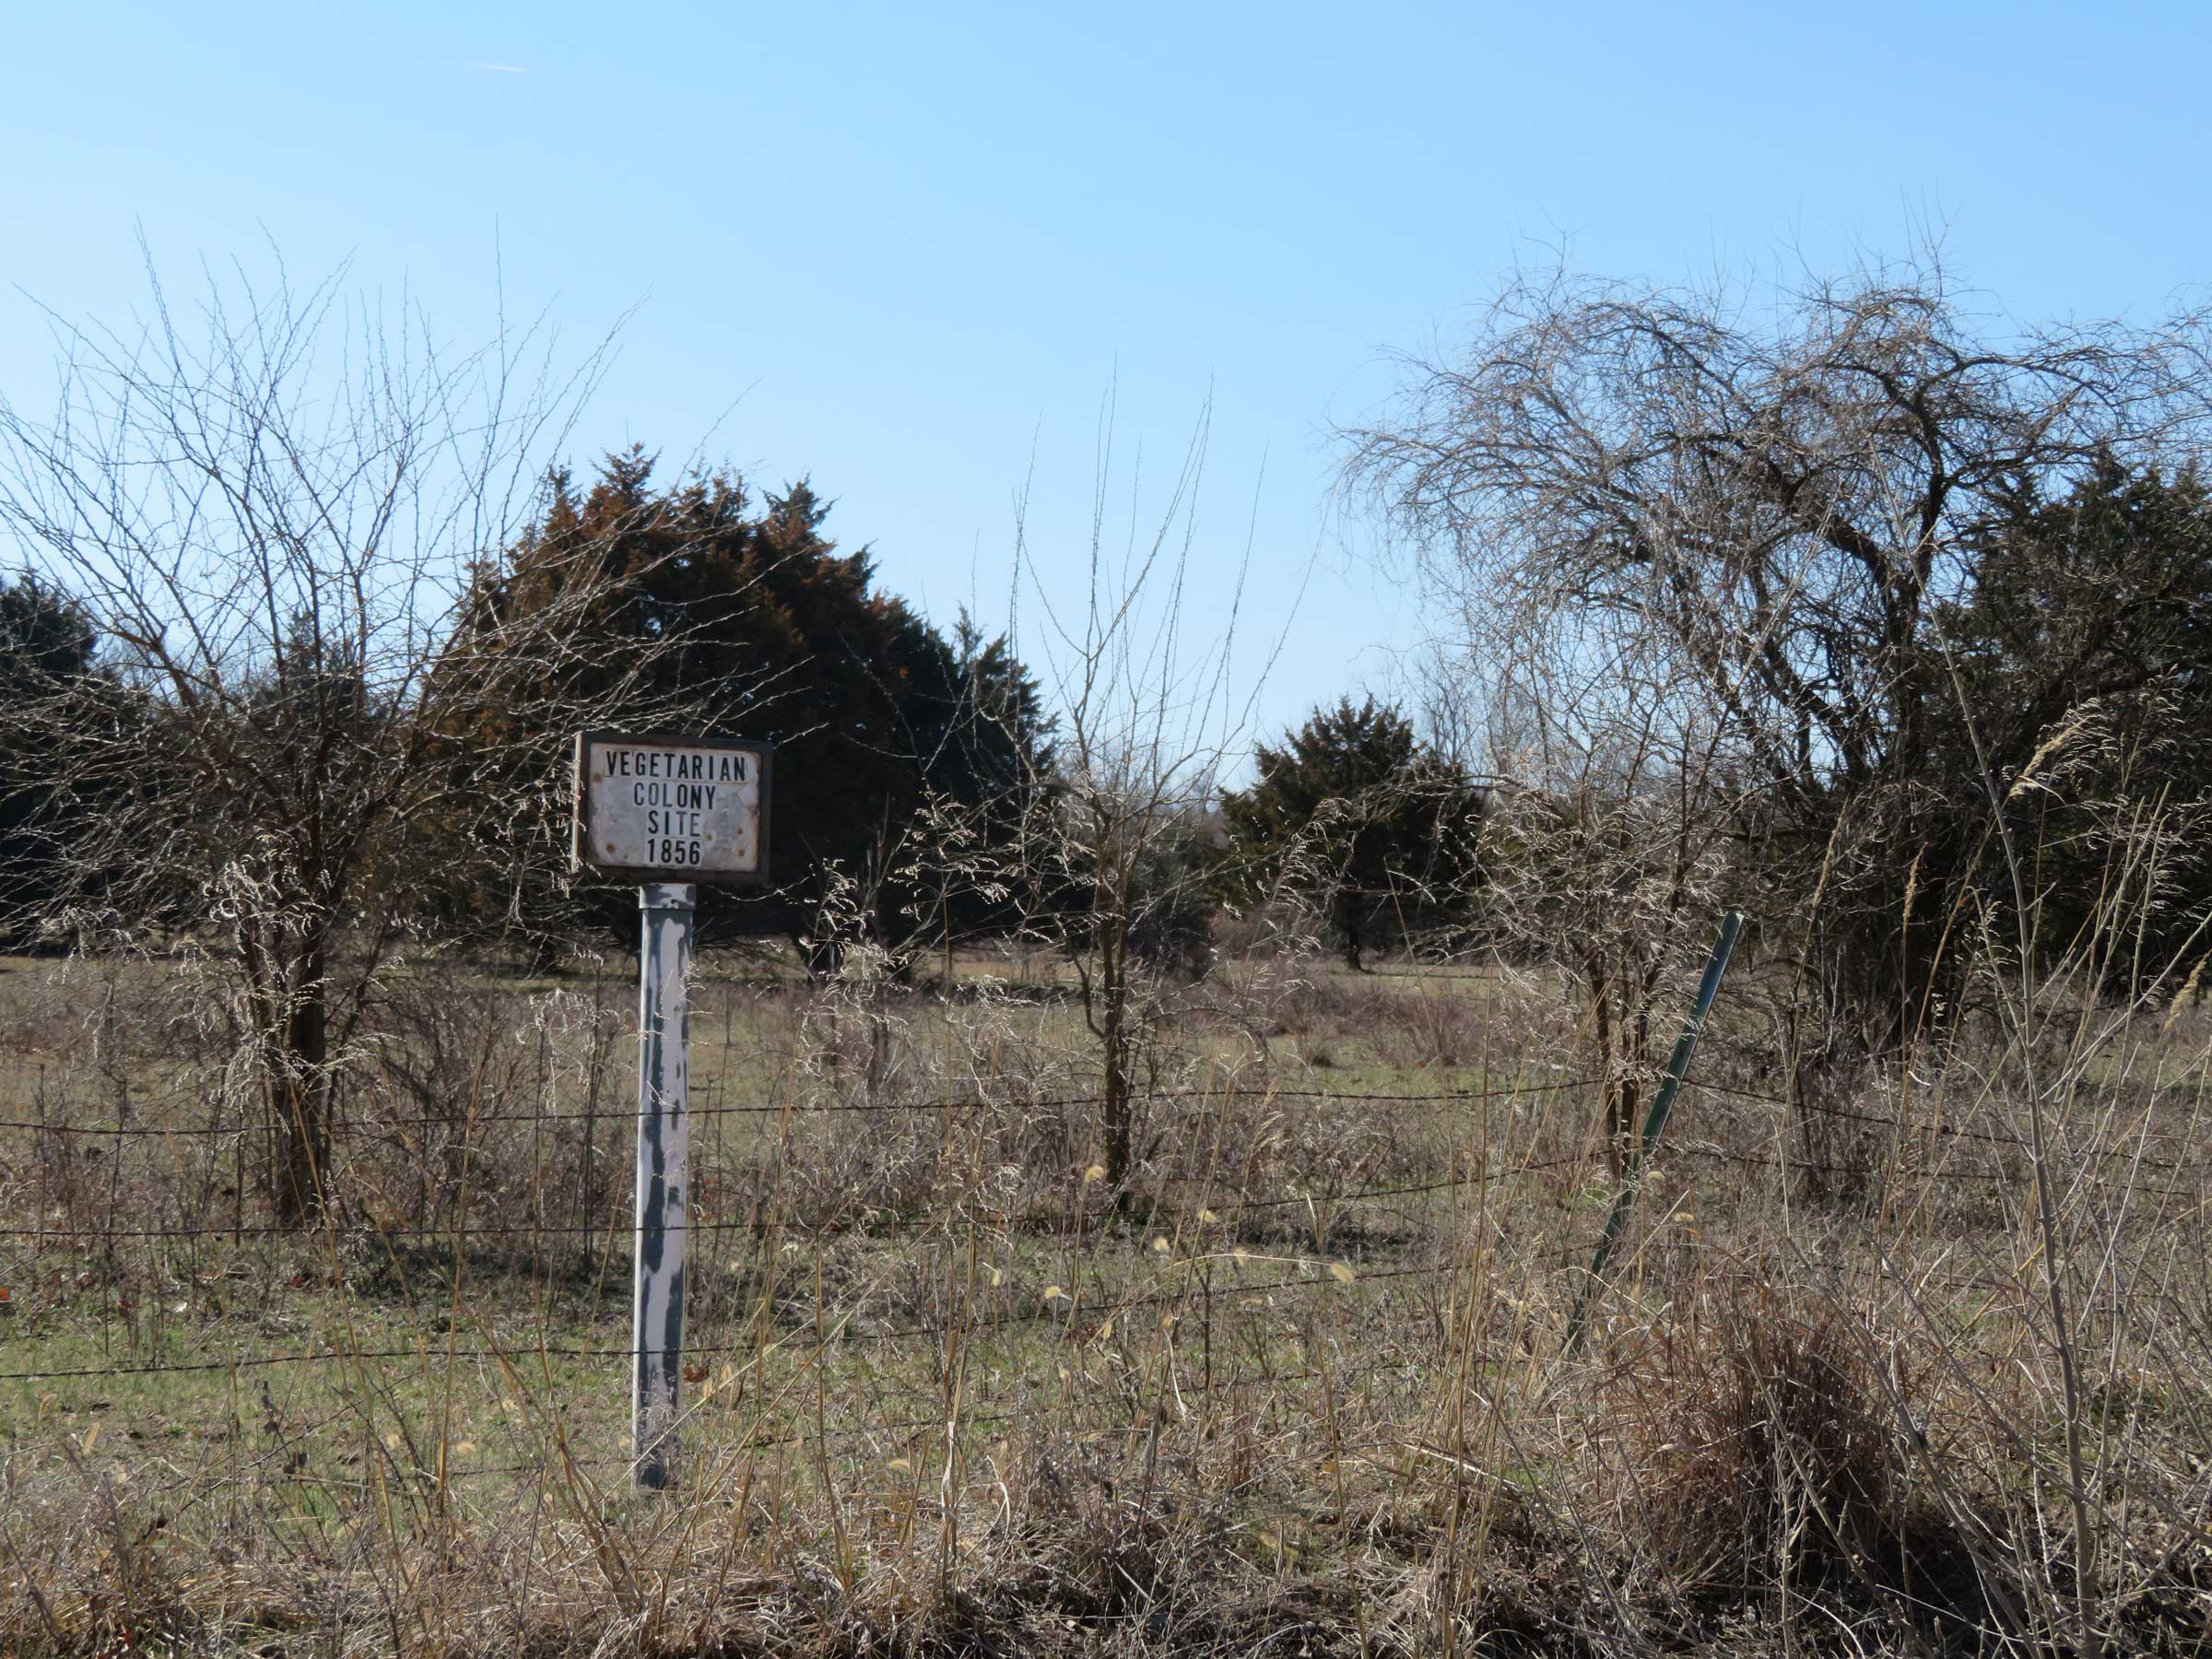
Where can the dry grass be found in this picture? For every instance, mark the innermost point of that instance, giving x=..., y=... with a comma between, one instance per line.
x=1305, y=1396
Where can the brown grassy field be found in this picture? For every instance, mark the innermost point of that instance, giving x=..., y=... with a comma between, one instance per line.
x=1305, y=1391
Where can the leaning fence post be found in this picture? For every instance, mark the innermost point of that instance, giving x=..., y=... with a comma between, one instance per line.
x=1655, y=1124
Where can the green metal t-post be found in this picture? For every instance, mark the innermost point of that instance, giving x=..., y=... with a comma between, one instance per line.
x=1655, y=1124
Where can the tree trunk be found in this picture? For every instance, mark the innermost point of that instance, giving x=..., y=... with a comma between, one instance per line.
x=1635, y=1043
x=291, y=1017
x=1345, y=911
x=1113, y=1043
x=1614, y=1102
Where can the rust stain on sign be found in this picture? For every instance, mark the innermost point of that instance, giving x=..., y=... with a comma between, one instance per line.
x=690, y=807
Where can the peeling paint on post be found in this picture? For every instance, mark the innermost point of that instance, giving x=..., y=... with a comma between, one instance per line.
x=664, y=1152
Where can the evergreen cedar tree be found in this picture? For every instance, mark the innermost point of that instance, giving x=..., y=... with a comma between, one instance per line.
x=2095, y=602
x=47, y=646
x=1371, y=827
x=765, y=631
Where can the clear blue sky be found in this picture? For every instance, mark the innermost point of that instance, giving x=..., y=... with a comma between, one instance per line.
x=898, y=247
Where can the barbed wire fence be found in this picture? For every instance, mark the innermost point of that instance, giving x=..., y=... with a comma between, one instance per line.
x=1345, y=1261
x=1206, y=1245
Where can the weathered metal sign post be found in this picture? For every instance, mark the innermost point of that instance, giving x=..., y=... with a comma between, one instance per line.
x=671, y=812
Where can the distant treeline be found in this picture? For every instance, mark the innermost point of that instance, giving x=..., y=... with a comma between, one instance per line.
x=889, y=732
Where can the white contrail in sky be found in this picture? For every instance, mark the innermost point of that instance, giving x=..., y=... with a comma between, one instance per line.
x=501, y=68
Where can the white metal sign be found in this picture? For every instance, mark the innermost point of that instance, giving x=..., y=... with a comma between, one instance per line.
x=663, y=808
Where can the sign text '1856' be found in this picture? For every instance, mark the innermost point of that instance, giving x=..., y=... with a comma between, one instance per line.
x=688, y=806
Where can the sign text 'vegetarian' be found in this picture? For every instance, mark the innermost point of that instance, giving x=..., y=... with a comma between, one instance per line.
x=687, y=809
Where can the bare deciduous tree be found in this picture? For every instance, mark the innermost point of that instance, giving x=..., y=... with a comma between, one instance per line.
x=1148, y=722
x=1773, y=502
x=1602, y=852
x=273, y=513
